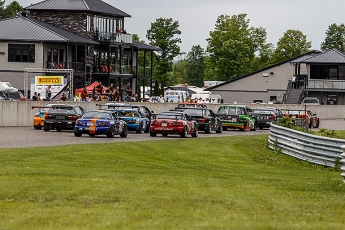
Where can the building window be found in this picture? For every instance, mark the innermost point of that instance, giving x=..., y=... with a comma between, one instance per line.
x=21, y=53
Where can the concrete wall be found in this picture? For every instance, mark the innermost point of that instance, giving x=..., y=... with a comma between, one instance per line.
x=20, y=113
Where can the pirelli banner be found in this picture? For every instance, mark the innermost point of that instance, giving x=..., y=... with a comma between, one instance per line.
x=48, y=80
x=41, y=84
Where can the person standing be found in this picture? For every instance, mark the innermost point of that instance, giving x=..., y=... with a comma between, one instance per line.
x=129, y=89
x=293, y=81
x=48, y=93
x=34, y=97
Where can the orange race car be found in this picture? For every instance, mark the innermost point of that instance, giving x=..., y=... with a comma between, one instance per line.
x=40, y=115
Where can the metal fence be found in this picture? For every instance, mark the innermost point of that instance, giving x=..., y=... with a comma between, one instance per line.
x=315, y=149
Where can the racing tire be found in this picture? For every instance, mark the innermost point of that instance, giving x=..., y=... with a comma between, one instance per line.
x=224, y=128
x=261, y=127
x=254, y=128
x=152, y=134
x=76, y=134
x=58, y=129
x=209, y=129
x=124, y=133
x=92, y=135
x=38, y=127
x=220, y=129
x=317, y=124
x=147, y=130
x=164, y=134
x=111, y=133
x=196, y=132
x=139, y=130
x=46, y=128
x=185, y=132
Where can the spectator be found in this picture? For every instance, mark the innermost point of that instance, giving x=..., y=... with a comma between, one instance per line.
x=63, y=97
x=161, y=99
x=48, y=93
x=38, y=96
x=293, y=80
x=117, y=94
x=84, y=95
x=34, y=97
x=129, y=89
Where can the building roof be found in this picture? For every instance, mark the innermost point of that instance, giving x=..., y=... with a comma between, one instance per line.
x=28, y=29
x=333, y=56
x=95, y=6
x=143, y=46
x=260, y=70
x=180, y=88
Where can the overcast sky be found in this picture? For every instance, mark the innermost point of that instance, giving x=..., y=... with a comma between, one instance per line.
x=197, y=17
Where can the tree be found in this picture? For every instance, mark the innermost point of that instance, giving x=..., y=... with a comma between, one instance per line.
x=335, y=38
x=195, y=66
x=292, y=44
x=232, y=47
x=11, y=10
x=162, y=34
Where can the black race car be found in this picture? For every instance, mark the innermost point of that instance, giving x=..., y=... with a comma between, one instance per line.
x=62, y=117
x=207, y=120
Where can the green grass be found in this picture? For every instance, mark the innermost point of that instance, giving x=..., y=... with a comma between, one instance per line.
x=194, y=183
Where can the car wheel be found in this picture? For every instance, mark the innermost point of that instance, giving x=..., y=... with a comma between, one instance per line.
x=111, y=132
x=220, y=129
x=195, y=133
x=124, y=133
x=164, y=134
x=58, y=129
x=38, y=127
x=46, y=128
x=139, y=130
x=254, y=128
x=317, y=124
x=244, y=127
x=76, y=134
x=92, y=135
x=152, y=134
x=185, y=132
x=261, y=127
x=209, y=128
x=147, y=130
x=225, y=128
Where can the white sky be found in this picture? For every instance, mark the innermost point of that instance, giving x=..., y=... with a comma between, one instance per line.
x=197, y=17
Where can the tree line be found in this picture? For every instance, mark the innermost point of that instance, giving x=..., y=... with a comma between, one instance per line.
x=234, y=49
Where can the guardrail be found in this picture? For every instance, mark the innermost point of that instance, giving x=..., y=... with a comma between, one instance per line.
x=304, y=146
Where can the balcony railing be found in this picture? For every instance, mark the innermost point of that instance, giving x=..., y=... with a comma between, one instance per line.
x=326, y=84
x=76, y=66
x=127, y=69
x=114, y=37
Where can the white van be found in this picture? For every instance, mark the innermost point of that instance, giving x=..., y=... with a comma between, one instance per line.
x=175, y=96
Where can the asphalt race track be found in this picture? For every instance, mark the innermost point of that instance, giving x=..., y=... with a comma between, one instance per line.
x=22, y=137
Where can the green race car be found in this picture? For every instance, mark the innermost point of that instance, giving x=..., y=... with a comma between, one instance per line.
x=237, y=117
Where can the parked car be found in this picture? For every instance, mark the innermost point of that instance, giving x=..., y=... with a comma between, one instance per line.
x=310, y=101
x=299, y=115
x=100, y=122
x=206, y=119
x=62, y=117
x=265, y=115
x=135, y=120
x=173, y=122
x=40, y=115
x=236, y=117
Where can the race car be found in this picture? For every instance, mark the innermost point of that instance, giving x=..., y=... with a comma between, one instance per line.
x=298, y=116
x=40, y=115
x=100, y=122
x=173, y=122
x=236, y=117
x=135, y=120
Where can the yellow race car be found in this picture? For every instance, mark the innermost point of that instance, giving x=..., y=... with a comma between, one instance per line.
x=40, y=115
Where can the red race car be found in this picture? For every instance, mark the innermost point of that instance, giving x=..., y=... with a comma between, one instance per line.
x=173, y=122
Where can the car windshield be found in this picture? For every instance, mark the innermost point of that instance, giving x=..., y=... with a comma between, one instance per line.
x=230, y=110
x=95, y=114
x=67, y=110
x=194, y=112
x=124, y=113
x=261, y=111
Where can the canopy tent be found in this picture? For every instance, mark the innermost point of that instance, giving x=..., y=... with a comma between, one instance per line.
x=90, y=88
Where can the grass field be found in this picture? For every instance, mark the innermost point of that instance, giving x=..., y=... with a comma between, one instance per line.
x=193, y=183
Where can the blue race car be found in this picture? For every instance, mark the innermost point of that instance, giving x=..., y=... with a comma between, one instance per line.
x=135, y=120
x=98, y=122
